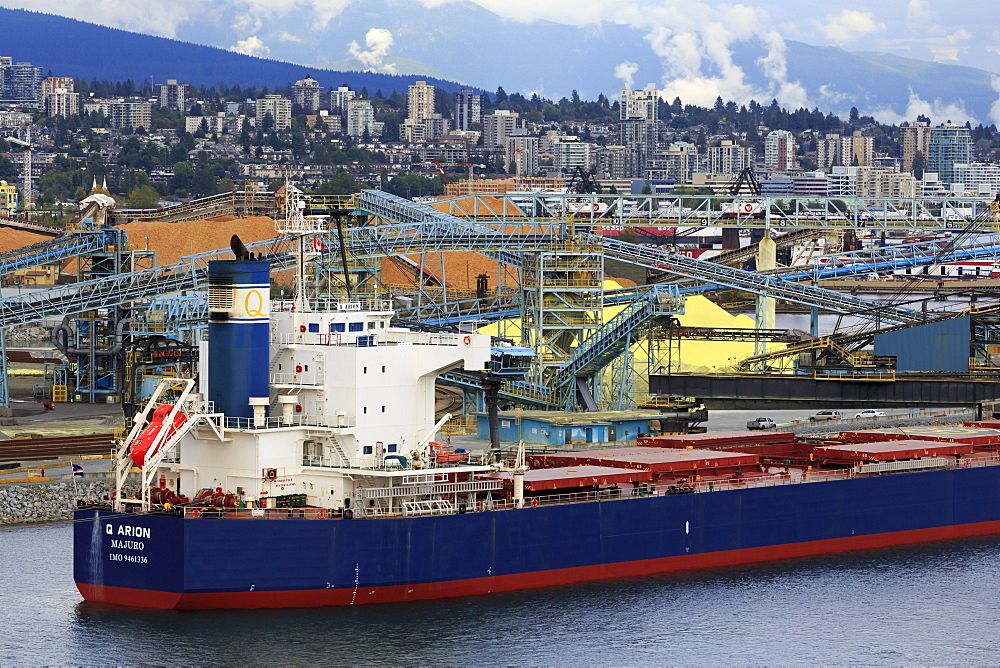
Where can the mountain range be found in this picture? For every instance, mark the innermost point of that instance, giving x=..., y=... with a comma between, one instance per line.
x=462, y=43
x=67, y=47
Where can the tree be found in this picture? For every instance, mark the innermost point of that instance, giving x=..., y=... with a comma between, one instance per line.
x=180, y=182
x=267, y=123
x=203, y=181
x=628, y=235
x=8, y=171
x=919, y=165
x=143, y=197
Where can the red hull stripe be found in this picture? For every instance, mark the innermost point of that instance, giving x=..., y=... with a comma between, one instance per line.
x=322, y=597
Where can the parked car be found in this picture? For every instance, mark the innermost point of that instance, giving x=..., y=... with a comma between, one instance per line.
x=870, y=413
x=827, y=415
x=761, y=423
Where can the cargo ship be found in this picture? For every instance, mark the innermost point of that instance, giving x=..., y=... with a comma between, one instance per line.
x=303, y=467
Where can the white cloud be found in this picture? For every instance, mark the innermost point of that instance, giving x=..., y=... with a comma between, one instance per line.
x=325, y=11
x=918, y=14
x=378, y=41
x=850, y=26
x=626, y=72
x=695, y=43
x=942, y=47
x=995, y=107
x=251, y=46
x=151, y=18
x=937, y=110
x=289, y=37
x=831, y=95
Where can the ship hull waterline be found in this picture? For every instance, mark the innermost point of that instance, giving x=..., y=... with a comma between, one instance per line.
x=157, y=561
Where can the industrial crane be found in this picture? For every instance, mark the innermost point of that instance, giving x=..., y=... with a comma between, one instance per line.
x=26, y=196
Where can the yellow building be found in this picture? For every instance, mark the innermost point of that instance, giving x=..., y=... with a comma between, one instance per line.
x=8, y=198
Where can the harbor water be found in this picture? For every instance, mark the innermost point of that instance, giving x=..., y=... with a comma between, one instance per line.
x=934, y=603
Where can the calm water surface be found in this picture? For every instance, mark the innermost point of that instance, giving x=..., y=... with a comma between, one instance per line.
x=930, y=604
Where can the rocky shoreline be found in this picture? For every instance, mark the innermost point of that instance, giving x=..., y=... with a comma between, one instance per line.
x=34, y=502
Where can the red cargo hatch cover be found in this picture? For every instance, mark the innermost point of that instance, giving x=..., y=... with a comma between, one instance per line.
x=948, y=434
x=565, y=477
x=716, y=439
x=657, y=460
x=883, y=451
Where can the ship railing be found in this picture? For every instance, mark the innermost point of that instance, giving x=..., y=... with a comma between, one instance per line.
x=277, y=421
x=297, y=379
x=333, y=305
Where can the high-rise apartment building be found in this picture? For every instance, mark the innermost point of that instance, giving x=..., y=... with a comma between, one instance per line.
x=172, y=95
x=498, y=126
x=306, y=93
x=21, y=83
x=779, y=151
x=615, y=162
x=419, y=101
x=58, y=97
x=280, y=109
x=855, y=150
x=727, y=158
x=639, y=127
x=569, y=153
x=361, y=117
x=435, y=126
x=858, y=150
x=676, y=164
x=126, y=114
x=639, y=103
x=419, y=107
x=339, y=99
x=914, y=137
x=522, y=154
x=468, y=109
x=949, y=145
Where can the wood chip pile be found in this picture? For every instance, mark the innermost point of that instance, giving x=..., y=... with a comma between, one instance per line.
x=11, y=239
x=171, y=241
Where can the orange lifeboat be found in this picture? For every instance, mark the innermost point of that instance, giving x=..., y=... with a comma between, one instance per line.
x=140, y=448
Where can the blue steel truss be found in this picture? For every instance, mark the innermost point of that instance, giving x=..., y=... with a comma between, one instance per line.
x=616, y=336
x=189, y=274
x=691, y=211
x=56, y=250
x=761, y=284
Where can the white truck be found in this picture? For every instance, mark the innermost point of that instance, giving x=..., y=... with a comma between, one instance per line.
x=761, y=423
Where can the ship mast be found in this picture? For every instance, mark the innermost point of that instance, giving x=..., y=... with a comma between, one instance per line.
x=296, y=225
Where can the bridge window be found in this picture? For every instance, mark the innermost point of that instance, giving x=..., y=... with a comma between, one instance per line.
x=367, y=449
x=337, y=327
x=314, y=327
x=391, y=447
x=371, y=324
x=356, y=327
x=383, y=409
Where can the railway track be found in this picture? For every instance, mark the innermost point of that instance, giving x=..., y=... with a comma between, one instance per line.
x=40, y=449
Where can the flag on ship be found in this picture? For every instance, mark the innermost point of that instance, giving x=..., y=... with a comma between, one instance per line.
x=318, y=244
x=77, y=470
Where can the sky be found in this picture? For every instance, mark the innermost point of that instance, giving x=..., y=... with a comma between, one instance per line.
x=694, y=39
x=947, y=32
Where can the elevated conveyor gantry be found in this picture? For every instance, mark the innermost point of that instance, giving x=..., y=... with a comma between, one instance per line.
x=57, y=250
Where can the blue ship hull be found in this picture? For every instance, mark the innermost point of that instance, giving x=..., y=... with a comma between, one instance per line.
x=169, y=562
